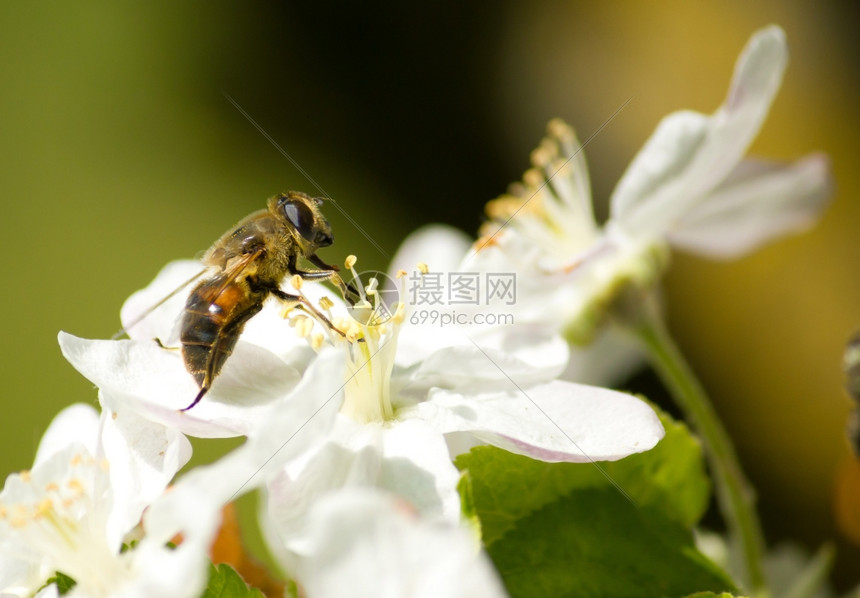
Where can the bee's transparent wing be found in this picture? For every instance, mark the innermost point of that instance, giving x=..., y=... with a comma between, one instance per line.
x=154, y=312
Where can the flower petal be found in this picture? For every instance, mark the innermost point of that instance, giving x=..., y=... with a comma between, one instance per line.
x=607, y=361
x=153, y=381
x=439, y=246
x=557, y=421
x=366, y=543
x=75, y=423
x=407, y=458
x=144, y=456
x=179, y=572
x=171, y=285
x=758, y=202
x=193, y=506
x=351, y=456
x=300, y=421
x=19, y=577
x=416, y=466
x=525, y=355
x=689, y=154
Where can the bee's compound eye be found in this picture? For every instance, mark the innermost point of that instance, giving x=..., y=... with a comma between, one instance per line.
x=300, y=216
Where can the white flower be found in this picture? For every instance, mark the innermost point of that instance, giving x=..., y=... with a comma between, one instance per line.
x=366, y=543
x=140, y=374
x=687, y=188
x=387, y=415
x=606, y=360
x=193, y=505
x=401, y=405
x=433, y=385
x=91, y=481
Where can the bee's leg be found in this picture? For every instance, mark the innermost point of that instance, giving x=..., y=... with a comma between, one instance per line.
x=317, y=261
x=331, y=275
x=350, y=295
x=346, y=289
x=203, y=391
x=165, y=347
x=303, y=303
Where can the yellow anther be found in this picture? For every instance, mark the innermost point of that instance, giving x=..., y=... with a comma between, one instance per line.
x=114, y=415
x=560, y=130
x=544, y=153
x=508, y=206
x=503, y=207
x=326, y=304
x=422, y=267
x=3, y=512
x=303, y=325
x=52, y=487
x=76, y=460
x=533, y=178
x=45, y=506
x=401, y=274
x=76, y=485
x=488, y=237
x=25, y=475
x=296, y=282
x=349, y=262
x=352, y=330
x=517, y=189
x=20, y=516
x=317, y=340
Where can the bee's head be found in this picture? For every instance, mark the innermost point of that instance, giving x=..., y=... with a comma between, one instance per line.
x=304, y=219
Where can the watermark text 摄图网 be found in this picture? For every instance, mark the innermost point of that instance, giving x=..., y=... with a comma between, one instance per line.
x=461, y=288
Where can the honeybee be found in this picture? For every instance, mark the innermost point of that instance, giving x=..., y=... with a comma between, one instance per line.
x=249, y=262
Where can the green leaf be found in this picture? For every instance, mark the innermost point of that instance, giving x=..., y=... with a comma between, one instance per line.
x=670, y=478
x=63, y=581
x=468, y=511
x=596, y=543
x=712, y=595
x=224, y=582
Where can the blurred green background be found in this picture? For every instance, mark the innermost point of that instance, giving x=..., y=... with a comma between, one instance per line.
x=119, y=153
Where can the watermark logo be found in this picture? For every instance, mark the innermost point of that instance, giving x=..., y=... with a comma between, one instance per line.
x=382, y=294
x=435, y=298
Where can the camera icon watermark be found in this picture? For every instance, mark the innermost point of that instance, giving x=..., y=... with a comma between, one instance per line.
x=380, y=295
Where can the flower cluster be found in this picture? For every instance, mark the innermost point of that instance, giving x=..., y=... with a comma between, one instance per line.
x=366, y=435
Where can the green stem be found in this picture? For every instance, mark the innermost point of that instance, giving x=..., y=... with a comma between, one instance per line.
x=734, y=494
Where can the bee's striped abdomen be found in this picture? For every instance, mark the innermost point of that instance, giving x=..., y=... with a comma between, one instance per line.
x=214, y=316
